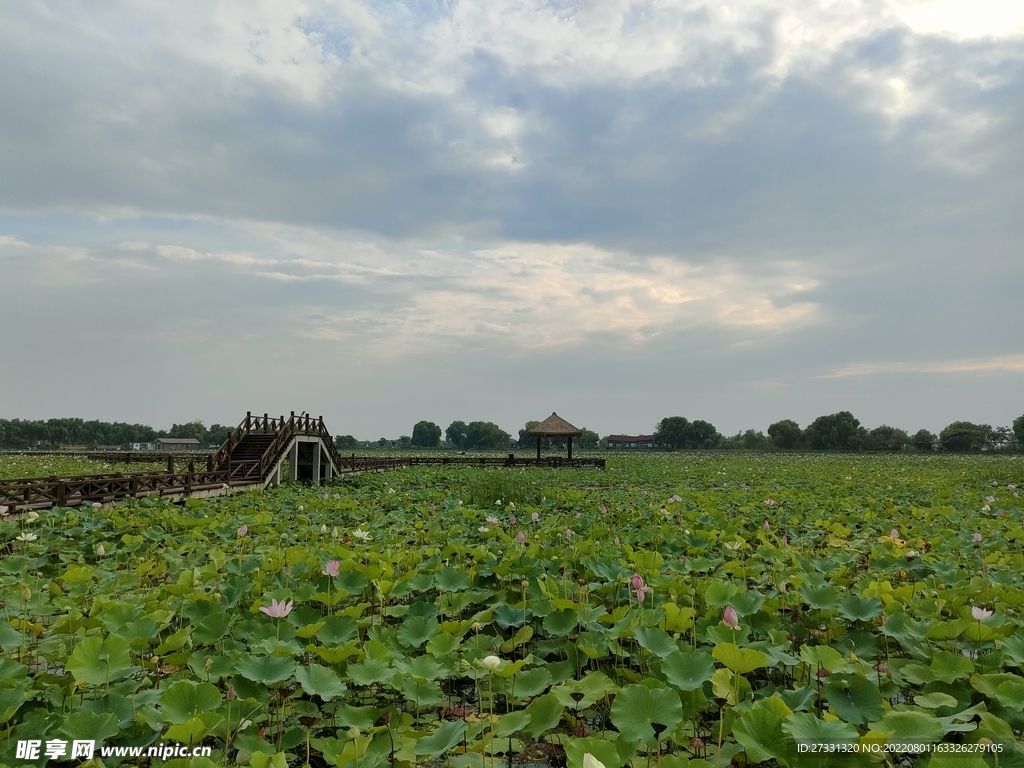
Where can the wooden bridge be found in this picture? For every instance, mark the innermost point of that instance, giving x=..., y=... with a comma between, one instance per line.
x=257, y=454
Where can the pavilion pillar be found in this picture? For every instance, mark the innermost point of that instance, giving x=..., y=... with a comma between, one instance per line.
x=294, y=460
x=570, y=447
x=538, y=448
x=316, y=463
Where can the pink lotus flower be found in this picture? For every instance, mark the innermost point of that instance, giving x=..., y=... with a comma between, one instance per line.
x=535, y=516
x=332, y=569
x=641, y=593
x=243, y=529
x=277, y=610
x=894, y=533
x=770, y=502
x=767, y=526
x=512, y=520
x=730, y=619
x=990, y=499
x=604, y=509
x=1011, y=486
x=976, y=537
x=568, y=533
x=491, y=519
x=980, y=613
x=3, y=510
x=520, y=537
x=579, y=515
x=638, y=581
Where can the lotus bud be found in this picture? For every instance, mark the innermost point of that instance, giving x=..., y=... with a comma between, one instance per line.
x=491, y=663
x=26, y=594
x=230, y=695
x=729, y=618
x=323, y=529
x=100, y=551
x=353, y=733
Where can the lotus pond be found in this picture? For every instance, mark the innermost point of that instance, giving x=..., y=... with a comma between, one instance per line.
x=29, y=465
x=675, y=610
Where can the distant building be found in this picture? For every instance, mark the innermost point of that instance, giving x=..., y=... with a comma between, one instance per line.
x=630, y=441
x=177, y=444
x=143, y=446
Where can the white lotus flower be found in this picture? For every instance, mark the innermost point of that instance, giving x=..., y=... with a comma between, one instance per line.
x=589, y=761
x=491, y=663
x=360, y=534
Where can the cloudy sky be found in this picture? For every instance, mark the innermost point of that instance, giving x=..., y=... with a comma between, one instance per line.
x=390, y=211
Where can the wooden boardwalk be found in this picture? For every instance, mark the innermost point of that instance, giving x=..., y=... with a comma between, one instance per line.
x=253, y=457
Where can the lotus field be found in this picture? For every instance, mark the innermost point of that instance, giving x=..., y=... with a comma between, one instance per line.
x=675, y=610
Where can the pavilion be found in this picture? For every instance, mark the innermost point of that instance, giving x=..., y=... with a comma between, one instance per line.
x=555, y=426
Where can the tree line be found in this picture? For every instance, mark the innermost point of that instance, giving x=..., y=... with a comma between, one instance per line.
x=53, y=434
x=841, y=431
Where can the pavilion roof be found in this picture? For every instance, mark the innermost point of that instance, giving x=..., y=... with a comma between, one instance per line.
x=555, y=426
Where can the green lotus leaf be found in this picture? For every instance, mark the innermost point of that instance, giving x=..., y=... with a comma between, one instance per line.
x=739, y=660
x=10, y=638
x=265, y=669
x=718, y=594
x=821, y=598
x=505, y=616
x=948, y=667
x=759, y=730
x=440, y=741
x=824, y=656
x=450, y=580
x=97, y=661
x=580, y=694
x=860, y=608
x=643, y=714
x=858, y=701
x=655, y=640
x=186, y=699
x=320, y=681
x=370, y=671
x=545, y=712
x=807, y=729
x=687, y=669
x=212, y=628
x=603, y=750
x=417, y=630
x=84, y=725
x=531, y=682
x=561, y=622
x=511, y=722
x=933, y=701
x=909, y=726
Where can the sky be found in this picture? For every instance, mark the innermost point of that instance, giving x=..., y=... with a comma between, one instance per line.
x=382, y=212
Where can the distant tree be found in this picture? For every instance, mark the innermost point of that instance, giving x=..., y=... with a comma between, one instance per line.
x=886, y=438
x=345, y=442
x=923, y=440
x=748, y=441
x=485, y=434
x=671, y=432
x=383, y=442
x=837, y=431
x=785, y=434
x=404, y=441
x=456, y=434
x=525, y=438
x=589, y=439
x=426, y=434
x=963, y=436
x=192, y=430
x=1001, y=438
x=701, y=434
x=217, y=434
x=1018, y=432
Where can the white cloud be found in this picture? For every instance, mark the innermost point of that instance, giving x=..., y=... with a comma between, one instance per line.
x=998, y=363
